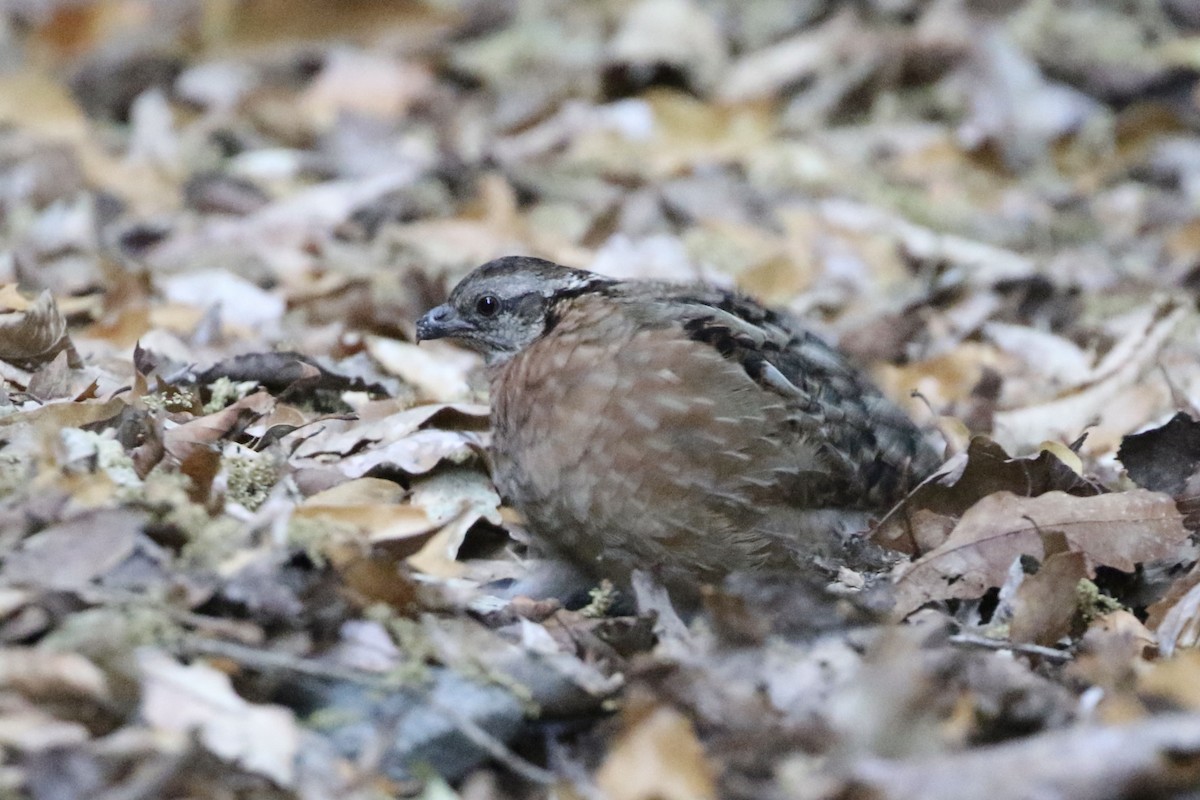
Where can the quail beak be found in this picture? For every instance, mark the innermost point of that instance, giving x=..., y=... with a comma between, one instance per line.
x=441, y=323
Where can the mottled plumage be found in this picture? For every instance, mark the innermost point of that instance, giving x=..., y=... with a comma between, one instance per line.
x=683, y=429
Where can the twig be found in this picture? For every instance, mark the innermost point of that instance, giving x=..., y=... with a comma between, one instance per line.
x=984, y=643
x=266, y=660
x=494, y=747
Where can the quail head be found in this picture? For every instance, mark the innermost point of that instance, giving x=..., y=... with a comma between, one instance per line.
x=682, y=429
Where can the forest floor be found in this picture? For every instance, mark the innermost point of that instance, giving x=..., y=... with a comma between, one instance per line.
x=249, y=547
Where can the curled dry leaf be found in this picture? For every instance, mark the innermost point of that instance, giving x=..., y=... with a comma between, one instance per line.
x=1115, y=530
x=398, y=439
x=1111, y=653
x=457, y=499
x=1175, y=619
x=373, y=510
x=32, y=332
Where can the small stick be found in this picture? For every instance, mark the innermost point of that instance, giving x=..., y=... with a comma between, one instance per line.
x=984, y=643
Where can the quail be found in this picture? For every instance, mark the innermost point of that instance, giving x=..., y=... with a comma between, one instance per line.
x=683, y=429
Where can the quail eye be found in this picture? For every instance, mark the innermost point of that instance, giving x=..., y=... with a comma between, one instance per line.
x=487, y=306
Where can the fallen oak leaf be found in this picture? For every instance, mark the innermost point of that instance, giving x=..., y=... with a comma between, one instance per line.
x=1114, y=530
x=920, y=522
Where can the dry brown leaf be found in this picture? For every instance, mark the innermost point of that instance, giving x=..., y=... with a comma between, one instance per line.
x=1111, y=654
x=1115, y=530
x=207, y=431
x=1046, y=602
x=372, y=508
x=984, y=469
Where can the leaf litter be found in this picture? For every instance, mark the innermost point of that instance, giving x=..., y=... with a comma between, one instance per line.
x=248, y=542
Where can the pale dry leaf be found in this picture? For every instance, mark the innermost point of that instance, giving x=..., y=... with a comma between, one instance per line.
x=373, y=510
x=658, y=757
x=49, y=675
x=35, y=101
x=1174, y=679
x=437, y=370
x=399, y=440
x=70, y=555
x=358, y=82
x=280, y=233
x=1090, y=762
x=763, y=73
x=1115, y=530
x=33, y=730
x=681, y=33
x=263, y=739
x=1066, y=416
x=240, y=301
x=1048, y=354
x=378, y=422
x=416, y=454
